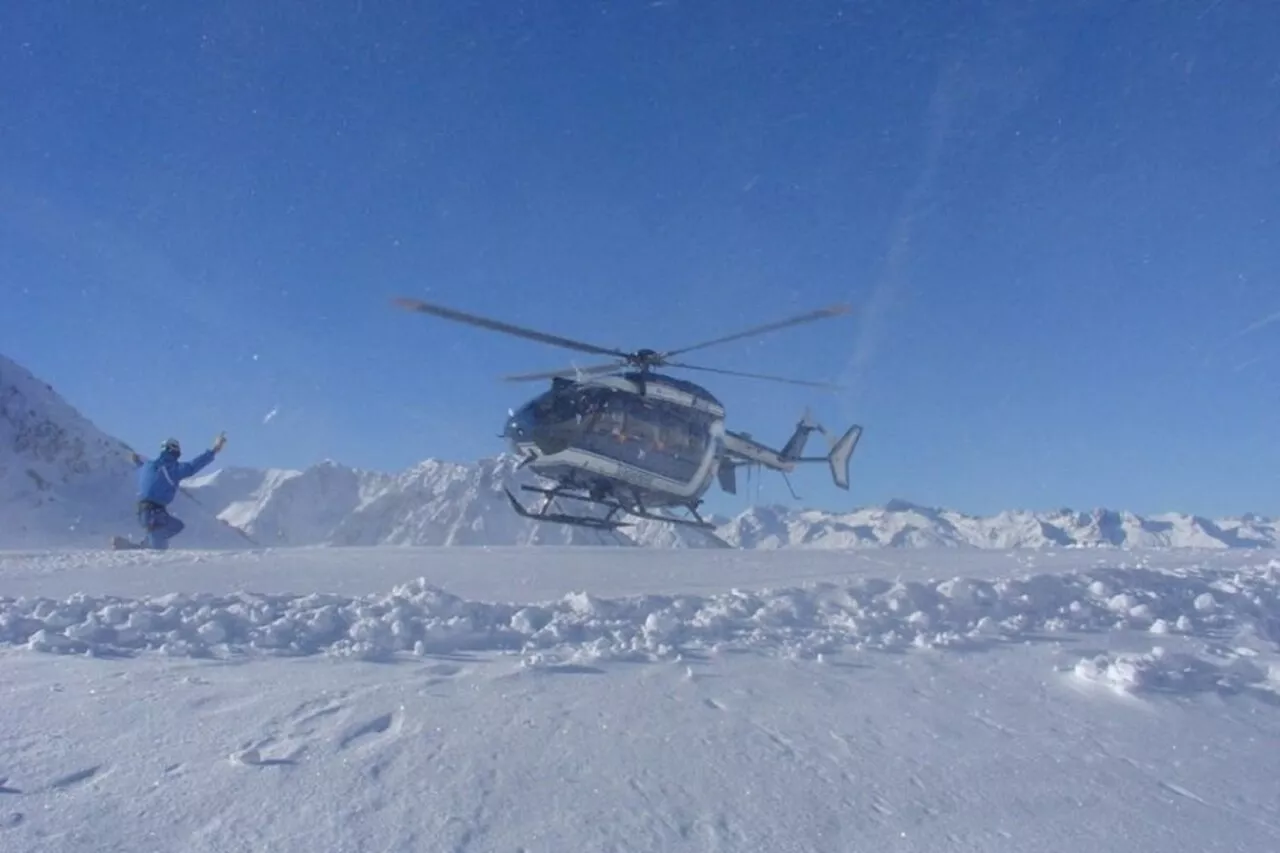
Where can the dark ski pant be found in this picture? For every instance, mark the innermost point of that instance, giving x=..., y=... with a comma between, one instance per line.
x=160, y=526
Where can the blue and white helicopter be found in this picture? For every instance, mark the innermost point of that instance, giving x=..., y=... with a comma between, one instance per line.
x=622, y=437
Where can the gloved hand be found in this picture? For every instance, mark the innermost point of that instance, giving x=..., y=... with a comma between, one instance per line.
x=219, y=442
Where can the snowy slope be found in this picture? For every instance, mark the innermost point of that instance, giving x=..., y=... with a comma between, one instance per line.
x=63, y=481
x=284, y=507
x=550, y=699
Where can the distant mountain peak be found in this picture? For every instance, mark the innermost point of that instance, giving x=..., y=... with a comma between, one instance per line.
x=904, y=505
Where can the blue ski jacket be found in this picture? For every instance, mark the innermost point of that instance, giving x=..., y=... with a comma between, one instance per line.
x=158, y=478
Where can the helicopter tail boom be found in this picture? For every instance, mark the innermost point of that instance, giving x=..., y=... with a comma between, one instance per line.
x=743, y=449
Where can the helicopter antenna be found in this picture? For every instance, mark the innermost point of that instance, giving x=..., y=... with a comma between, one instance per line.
x=788, y=481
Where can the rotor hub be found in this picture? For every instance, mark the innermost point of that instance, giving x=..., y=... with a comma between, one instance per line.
x=646, y=358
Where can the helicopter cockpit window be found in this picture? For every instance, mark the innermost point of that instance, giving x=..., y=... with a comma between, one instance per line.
x=558, y=407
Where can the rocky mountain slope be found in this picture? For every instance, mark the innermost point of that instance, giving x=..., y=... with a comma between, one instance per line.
x=65, y=483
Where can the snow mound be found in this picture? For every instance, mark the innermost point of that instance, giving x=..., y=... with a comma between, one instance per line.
x=869, y=614
x=1164, y=671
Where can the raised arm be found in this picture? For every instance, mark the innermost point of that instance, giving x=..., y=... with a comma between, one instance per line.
x=194, y=466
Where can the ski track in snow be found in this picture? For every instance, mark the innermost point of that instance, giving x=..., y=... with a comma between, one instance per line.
x=871, y=614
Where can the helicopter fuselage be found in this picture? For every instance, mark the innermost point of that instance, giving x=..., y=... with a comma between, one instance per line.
x=647, y=440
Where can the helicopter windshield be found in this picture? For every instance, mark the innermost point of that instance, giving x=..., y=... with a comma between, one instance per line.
x=551, y=420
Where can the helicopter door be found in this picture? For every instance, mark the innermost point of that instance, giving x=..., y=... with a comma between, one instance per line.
x=605, y=427
x=668, y=435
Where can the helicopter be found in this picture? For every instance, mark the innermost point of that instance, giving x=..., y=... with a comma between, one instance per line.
x=633, y=441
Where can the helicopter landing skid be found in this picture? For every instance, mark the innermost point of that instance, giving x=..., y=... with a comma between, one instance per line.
x=607, y=523
x=541, y=513
x=613, y=505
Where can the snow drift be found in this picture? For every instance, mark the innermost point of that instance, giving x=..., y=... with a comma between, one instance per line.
x=420, y=618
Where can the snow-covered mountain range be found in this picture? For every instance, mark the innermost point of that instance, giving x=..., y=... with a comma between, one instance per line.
x=442, y=503
x=63, y=482
x=902, y=524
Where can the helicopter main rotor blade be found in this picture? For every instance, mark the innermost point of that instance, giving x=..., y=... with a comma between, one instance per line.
x=499, y=326
x=589, y=370
x=827, y=385
x=821, y=313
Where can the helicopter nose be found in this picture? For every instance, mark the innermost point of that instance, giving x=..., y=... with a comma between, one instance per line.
x=518, y=430
x=525, y=430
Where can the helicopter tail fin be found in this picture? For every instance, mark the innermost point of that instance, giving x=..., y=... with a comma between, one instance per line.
x=840, y=454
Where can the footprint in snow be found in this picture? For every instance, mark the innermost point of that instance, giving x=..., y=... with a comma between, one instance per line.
x=75, y=778
x=253, y=758
x=377, y=725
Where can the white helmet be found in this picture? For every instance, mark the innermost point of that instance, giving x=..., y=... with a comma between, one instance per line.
x=171, y=445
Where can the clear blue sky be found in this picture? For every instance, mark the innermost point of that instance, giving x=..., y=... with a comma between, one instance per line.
x=1059, y=224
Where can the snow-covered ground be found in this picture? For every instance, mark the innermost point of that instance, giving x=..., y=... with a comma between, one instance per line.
x=553, y=699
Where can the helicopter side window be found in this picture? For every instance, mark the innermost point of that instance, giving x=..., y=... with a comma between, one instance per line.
x=605, y=425
x=644, y=425
x=658, y=437
x=599, y=411
x=698, y=435
x=681, y=432
x=606, y=437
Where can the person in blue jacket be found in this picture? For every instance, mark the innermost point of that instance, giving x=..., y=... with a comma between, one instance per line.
x=158, y=481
